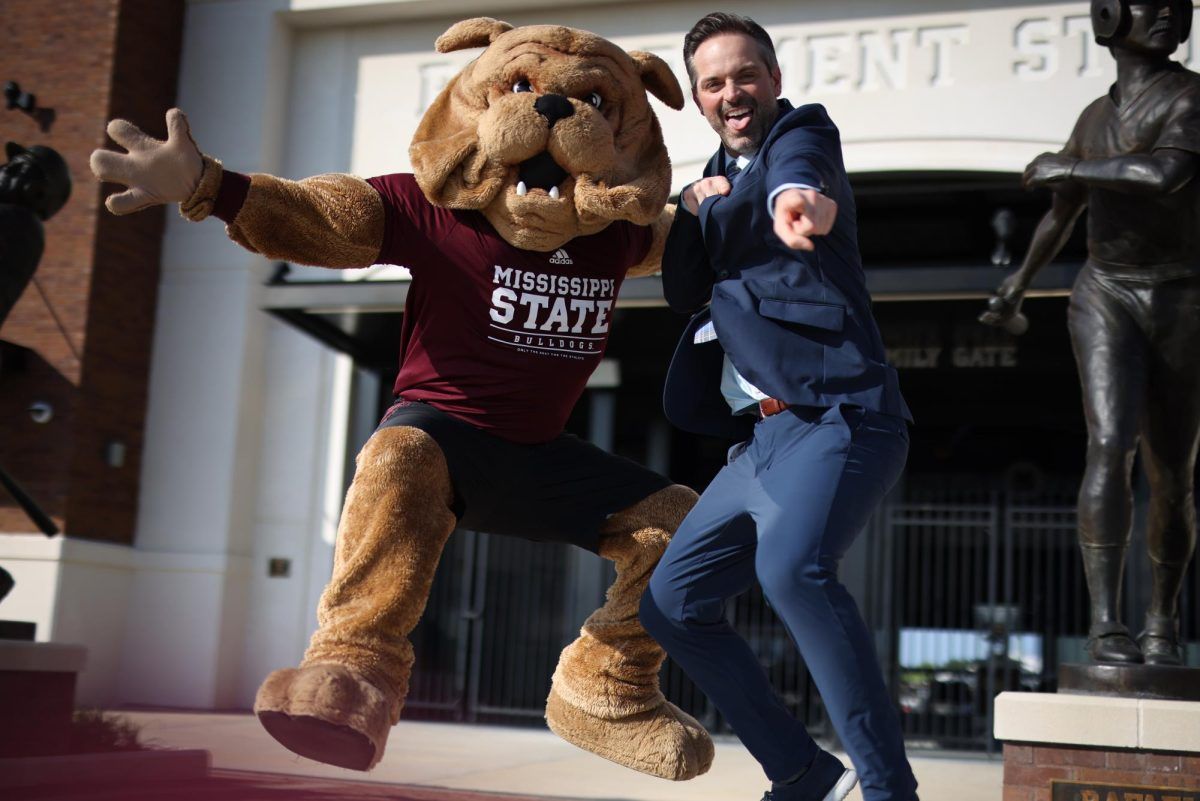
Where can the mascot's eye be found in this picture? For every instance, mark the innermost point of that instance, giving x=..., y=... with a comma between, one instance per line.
x=595, y=99
x=523, y=85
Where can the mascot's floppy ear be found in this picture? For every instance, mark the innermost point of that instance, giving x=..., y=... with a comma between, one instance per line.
x=477, y=32
x=658, y=78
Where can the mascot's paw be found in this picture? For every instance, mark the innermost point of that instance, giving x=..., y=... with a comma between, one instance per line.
x=663, y=741
x=328, y=713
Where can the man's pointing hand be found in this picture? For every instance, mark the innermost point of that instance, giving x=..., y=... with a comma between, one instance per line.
x=801, y=214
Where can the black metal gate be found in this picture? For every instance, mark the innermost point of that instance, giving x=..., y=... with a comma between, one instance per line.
x=978, y=592
x=982, y=596
x=492, y=631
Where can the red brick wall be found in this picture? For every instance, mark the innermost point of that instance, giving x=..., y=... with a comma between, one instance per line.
x=87, y=60
x=1028, y=769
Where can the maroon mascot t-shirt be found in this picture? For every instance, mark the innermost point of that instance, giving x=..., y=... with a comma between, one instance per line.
x=501, y=338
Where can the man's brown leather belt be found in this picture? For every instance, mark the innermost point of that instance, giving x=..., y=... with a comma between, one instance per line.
x=770, y=406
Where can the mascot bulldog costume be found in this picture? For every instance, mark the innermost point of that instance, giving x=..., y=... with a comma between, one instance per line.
x=540, y=180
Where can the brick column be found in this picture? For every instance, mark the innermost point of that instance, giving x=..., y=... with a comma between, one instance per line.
x=88, y=322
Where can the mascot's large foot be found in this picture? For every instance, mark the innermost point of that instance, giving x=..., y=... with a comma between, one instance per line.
x=604, y=697
x=664, y=741
x=339, y=706
x=328, y=713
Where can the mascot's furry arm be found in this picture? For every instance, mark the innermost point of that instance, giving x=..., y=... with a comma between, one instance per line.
x=330, y=220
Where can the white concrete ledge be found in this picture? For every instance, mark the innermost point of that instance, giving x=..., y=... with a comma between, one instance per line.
x=1170, y=726
x=39, y=548
x=1097, y=720
x=41, y=657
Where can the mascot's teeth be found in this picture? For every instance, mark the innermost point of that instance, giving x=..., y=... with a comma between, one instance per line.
x=554, y=192
x=521, y=189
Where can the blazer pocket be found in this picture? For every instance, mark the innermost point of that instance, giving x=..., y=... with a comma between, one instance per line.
x=827, y=316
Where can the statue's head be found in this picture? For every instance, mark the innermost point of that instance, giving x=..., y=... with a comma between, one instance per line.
x=35, y=177
x=1155, y=27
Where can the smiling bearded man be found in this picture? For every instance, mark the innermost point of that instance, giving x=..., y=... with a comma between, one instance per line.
x=787, y=347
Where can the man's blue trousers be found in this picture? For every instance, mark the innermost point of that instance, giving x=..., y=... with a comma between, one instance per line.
x=783, y=512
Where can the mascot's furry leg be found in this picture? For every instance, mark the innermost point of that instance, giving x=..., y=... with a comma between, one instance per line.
x=605, y=695
x=342, y=701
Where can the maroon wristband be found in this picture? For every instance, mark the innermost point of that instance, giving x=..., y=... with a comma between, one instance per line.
x=231, y=195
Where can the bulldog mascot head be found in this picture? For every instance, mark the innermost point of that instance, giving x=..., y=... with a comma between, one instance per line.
x=549, y=133
x=547, y=137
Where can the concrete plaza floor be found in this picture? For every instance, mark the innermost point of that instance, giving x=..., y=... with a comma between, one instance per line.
x=522, y=762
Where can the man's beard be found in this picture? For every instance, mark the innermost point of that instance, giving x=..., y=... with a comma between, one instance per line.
x=751, y=137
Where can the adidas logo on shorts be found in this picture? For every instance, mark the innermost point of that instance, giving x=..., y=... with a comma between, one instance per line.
x=560, y=257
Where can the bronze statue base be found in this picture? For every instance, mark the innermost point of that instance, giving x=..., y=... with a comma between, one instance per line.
x=1131, y=681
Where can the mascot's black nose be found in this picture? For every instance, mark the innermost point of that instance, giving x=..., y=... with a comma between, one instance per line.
x=553, y=108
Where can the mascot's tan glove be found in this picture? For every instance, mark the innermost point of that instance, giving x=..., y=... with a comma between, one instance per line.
x=155, y=172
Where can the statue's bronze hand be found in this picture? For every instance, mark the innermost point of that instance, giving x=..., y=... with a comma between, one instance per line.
x=1004, y=307
x=1048, y=170
x=154, y=171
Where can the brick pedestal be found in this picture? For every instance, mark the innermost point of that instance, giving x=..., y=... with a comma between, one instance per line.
x=1029, y=771
x=1096, y=748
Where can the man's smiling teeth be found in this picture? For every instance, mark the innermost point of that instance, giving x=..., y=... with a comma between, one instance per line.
x=523, y=190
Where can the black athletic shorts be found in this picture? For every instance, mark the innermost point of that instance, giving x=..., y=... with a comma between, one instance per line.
x=557, y=491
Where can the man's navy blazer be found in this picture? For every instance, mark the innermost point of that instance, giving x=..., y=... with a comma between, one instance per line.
x=795, y=324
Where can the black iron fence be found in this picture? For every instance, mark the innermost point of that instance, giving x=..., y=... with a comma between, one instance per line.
x=970, y=593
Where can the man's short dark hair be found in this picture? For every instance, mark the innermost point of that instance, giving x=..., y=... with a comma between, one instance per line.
x=720, y=22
